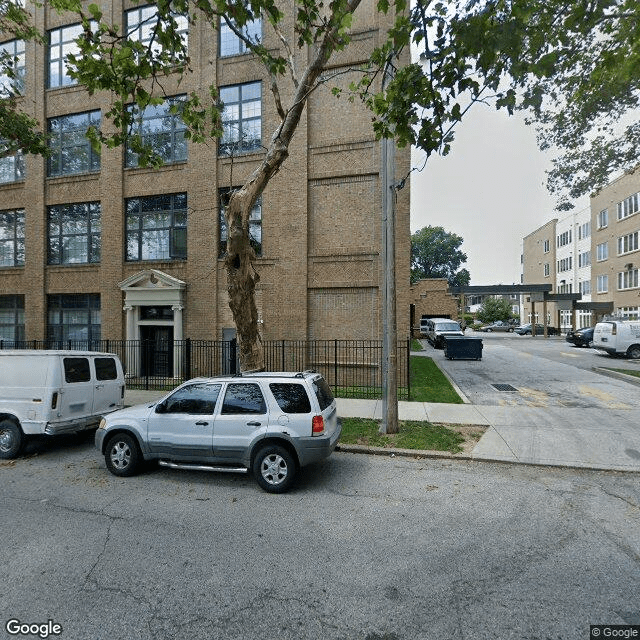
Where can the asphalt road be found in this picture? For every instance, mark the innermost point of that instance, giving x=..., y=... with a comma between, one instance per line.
x=542, y=371
x=364, y=548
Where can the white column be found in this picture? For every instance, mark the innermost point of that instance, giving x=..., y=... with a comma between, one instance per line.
x=132, y=352
x=178, y=336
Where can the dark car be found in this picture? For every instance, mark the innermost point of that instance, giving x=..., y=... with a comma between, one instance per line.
x=525, y=330
x=581, y=337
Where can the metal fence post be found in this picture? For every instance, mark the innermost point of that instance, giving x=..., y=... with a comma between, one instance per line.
x=335, y=362
x=186, y=345
x=409, y=369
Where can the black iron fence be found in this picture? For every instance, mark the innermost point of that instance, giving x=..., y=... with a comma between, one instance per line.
x=353, y=368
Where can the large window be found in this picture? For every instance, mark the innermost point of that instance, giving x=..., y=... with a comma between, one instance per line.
x=602, y=283
x=565, y=264
x=162, y=130
x=255, y=224
x=603, y=219
x=71, y=151
x=12, y=238
x=231, y=44
x=584, y=259
x=584, y=230
x=74, y=317
x=11, y=166
x=563, y=239
x=628, y=279
x=74, y=233
x=62, y=42
x=11, y=319
x=141, y=22
x=12, y=67
x=628, y=243
x=241, y=118
x=157, y=227
x=629, y=206
x=602, y=251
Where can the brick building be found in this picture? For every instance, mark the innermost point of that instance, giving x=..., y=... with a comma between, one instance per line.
x=94, y=247
x=430, y=298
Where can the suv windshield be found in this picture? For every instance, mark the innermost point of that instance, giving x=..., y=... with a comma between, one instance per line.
x=448, y=326
x=323, y=393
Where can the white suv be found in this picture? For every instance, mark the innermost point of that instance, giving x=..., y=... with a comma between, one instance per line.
x=269, y=423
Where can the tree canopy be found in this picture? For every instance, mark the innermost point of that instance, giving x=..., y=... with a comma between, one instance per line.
x=572, y=65
x=435, y=253
x=494, y=309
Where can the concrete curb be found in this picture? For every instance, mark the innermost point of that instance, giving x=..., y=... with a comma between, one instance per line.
x=616, y=374
x=406, y=453
x=444, y=455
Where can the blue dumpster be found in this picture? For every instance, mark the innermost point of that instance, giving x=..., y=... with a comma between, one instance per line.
x=462, y=348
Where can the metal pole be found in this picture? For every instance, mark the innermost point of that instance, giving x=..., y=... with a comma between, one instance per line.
x=389, y=325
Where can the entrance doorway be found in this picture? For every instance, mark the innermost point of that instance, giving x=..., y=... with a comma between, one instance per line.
x=157, y=350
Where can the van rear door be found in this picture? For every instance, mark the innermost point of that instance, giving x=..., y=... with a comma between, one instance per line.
x=76, y=399
x=109, y=382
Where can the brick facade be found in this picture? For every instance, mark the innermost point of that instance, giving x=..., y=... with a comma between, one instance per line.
x=430, y=297
x=320, y=269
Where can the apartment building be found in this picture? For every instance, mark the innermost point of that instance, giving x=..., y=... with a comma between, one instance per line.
x=539, y=266
x=615, y=212
x=93, y=246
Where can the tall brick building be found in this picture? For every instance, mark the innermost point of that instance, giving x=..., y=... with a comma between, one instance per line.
x=94, y=247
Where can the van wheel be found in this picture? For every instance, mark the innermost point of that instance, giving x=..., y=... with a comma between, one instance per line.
x=634, y=351
x=11, y=440
x=122, y=455
x=274, y=469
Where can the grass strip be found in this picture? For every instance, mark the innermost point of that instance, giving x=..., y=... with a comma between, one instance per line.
x=429, y=384
x=413, y=434
x=629, y=372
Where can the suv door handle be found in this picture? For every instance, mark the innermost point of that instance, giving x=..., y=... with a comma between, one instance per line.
x=254, y=424
x=202, y=423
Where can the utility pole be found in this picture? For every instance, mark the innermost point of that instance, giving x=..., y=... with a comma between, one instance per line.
x=389, y=321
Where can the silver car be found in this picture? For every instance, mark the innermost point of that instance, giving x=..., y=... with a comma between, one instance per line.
x=271, y=424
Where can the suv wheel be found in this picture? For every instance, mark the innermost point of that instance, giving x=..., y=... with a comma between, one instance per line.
x=122, y=455
x=274, y=469
x=11, y=439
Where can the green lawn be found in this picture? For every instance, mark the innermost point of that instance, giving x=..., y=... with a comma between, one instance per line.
x=429, y=384
x=412, y=435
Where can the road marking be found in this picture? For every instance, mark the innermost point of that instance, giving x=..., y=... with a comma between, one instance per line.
x=569, y=355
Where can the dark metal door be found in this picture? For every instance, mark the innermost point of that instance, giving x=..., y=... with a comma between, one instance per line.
x=157, y=351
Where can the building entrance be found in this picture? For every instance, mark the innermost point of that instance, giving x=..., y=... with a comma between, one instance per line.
x=156, y=350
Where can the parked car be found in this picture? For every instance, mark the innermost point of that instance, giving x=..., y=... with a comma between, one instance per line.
x=499, y=325
x=270, y=424
x=525, y=330
x=438, y=328
x=581, y=337
x=618, y=337
x=51, y=392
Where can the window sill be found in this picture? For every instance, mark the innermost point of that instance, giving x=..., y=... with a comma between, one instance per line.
x=180, y=164
x=74, y=177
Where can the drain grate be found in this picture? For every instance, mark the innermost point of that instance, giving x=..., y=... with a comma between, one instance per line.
x=503, y=387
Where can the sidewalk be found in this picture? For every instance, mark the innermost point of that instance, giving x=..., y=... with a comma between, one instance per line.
x=553, y=436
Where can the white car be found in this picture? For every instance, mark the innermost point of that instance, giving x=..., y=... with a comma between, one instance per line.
x=271, y=424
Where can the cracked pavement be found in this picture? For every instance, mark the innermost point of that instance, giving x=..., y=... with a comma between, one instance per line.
x=364, y=548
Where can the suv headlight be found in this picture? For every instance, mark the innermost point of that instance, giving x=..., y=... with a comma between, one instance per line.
x=103, y=424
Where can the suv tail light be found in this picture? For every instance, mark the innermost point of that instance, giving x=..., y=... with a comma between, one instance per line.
x=317, y=426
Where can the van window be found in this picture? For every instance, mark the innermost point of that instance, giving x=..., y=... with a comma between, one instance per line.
x=77, y=370
x=106, y=369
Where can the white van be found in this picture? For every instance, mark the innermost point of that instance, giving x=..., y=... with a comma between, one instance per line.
x=618, y=337
x=54, y=392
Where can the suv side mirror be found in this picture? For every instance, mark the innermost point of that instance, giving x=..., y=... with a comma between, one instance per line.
x=161, y=407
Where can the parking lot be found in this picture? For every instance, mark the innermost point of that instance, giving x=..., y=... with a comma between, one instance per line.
x=541, y=372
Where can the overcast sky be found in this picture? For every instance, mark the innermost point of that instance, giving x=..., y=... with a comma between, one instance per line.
x=490, y=190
